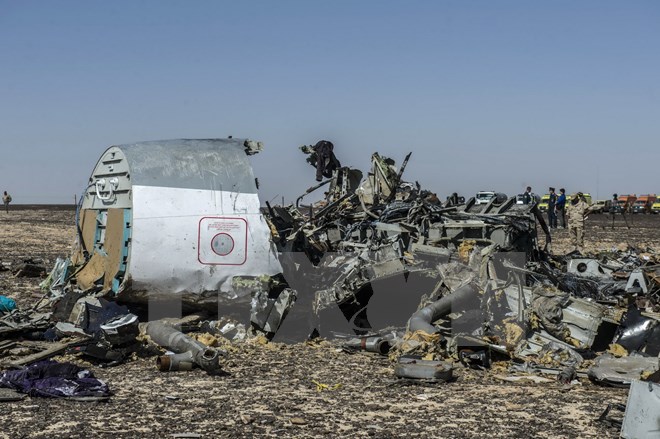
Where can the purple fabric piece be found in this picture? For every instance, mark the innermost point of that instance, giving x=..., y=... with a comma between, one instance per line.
x=49, y=378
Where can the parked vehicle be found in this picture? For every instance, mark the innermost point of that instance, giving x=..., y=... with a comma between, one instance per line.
x=483, y=197
x=624, y=203
x=543, y=205
x=643, y=204
x=656, y=206
x=600, y=206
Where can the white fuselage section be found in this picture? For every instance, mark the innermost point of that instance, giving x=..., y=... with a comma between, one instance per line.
x=195, y=241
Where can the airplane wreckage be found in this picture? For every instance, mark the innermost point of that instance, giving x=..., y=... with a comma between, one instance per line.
x=379, y=263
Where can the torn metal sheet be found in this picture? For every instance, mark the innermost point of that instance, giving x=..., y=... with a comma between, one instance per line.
x=639, y=333
x=581, y=321
x=23, y=320
x=642, y=417
x=622, y=371
x=637, y=282
x=428, y=370
x=588, y=267
x=267, y=313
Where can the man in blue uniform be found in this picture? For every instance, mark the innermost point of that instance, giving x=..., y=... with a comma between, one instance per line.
x=561, y=208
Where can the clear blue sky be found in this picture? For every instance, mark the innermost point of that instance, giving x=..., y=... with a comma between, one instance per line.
x=487, y=94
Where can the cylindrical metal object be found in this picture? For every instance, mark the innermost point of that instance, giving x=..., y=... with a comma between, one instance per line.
x=175, y=362
x=166, y=336
x=370, y=344
x=376, y=344
x=422, y=320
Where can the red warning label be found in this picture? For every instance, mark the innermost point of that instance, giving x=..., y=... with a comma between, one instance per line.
x=222, y=241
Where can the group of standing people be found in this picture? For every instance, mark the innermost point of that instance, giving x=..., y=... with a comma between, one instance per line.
x=559, y=214
x=557, y=208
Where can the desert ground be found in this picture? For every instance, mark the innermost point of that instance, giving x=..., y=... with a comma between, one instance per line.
x=271, y=389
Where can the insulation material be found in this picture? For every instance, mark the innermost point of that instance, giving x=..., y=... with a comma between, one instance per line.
x=92, y=273
x=114, y=245
x=87, y=224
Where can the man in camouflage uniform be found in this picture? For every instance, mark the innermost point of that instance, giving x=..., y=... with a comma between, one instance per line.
x=576, y=214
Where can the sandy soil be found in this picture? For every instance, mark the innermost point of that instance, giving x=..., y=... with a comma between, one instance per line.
x=270, y=390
